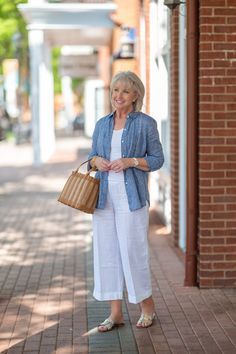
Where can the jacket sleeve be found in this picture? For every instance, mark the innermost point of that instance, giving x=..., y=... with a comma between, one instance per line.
x=154, y=157
x=93, y=151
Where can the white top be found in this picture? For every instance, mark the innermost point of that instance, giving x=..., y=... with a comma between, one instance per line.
x=116, y=154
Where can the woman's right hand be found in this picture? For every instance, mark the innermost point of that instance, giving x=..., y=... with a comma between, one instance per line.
x=102, y=164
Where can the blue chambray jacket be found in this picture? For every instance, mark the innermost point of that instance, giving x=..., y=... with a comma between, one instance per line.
x=140, y=138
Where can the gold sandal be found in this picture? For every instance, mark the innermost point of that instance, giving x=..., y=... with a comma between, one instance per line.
x=109, y=324
x=145, y=321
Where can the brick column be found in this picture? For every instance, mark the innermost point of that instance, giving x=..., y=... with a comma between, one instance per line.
x=146, y=9
x=217, y=143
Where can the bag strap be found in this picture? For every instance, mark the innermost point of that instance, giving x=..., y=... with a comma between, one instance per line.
x=91, y=169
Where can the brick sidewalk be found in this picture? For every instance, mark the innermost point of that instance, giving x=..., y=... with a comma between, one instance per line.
x=46, y=276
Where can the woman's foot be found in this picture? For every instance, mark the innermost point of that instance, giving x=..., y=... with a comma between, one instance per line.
x=109, y=324
x=145, y=320
x=148, y=306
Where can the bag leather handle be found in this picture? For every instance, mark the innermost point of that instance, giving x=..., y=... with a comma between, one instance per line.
x=88, y=172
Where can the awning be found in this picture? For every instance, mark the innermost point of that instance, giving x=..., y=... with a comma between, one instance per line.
x=71, y=24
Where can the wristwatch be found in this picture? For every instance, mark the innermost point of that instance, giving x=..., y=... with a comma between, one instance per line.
x=136, y=163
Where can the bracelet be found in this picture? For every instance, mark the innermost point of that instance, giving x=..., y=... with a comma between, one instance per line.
x=136, y=163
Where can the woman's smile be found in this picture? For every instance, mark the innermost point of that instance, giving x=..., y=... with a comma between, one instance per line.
x=119, y=101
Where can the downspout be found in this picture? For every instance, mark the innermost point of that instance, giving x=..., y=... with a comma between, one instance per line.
x=182, y=127
x=192, y=144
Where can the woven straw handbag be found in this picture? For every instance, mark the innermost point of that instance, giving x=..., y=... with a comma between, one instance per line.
x=81, y=191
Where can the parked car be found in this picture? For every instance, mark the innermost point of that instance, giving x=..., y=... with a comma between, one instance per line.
x=22, y=132
x=5, y=124
x=78, y=122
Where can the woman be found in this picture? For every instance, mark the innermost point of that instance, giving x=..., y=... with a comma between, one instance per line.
x=125, y=147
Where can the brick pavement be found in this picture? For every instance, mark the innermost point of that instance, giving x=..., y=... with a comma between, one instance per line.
x=46, y=275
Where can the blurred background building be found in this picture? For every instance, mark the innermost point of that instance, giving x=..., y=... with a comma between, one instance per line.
x=93, y=40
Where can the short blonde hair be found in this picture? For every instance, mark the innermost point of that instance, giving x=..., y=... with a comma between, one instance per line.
x=133, y=81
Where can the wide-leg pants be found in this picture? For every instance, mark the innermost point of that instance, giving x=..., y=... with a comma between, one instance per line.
x=120, y=248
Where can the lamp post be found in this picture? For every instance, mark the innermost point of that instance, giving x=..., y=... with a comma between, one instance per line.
x=172, y=4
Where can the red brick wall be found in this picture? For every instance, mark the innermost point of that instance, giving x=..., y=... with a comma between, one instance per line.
x=174, y=125
x=217, y=143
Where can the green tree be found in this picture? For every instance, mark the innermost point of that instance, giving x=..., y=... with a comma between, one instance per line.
x=12, y=23
x=56, y=52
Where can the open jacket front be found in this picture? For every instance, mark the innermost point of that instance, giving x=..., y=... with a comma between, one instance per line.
x=140, y=138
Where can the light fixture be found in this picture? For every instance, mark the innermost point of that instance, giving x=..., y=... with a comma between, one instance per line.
x=172, y=4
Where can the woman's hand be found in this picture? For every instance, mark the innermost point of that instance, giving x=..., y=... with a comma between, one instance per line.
x=121, y=164
x=102, y=164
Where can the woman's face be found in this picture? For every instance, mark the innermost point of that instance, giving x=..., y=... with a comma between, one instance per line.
x=123, y=96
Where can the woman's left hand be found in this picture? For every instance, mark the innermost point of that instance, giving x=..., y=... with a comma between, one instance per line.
x=120, y=164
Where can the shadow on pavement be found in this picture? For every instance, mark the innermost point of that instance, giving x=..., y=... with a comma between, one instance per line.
x=43, y=260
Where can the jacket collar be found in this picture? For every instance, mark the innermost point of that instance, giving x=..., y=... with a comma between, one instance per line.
x=130, y=115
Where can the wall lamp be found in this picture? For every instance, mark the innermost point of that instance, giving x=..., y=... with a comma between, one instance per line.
x=172, y=4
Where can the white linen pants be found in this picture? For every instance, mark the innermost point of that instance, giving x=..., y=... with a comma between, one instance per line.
x=120, y=248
